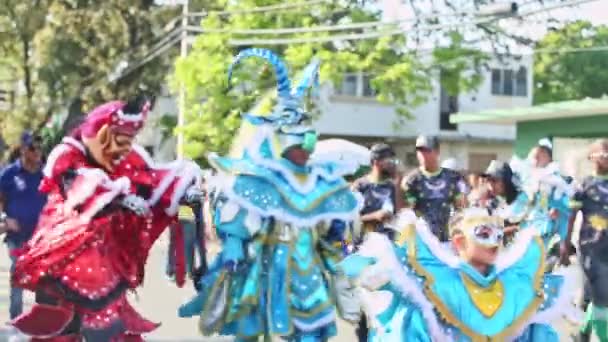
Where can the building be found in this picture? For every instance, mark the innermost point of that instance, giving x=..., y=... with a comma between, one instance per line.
x=571, y=125
x=351, y=111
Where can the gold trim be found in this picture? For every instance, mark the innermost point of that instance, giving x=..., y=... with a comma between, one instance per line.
x=286, y=196
x=488, y=300
x=449, y=317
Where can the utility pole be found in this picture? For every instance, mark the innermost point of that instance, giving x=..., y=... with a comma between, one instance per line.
x=182, y=89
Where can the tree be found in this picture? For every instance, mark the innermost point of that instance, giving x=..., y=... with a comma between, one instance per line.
x=563, y=73
x=400, y=76
x=64, y=54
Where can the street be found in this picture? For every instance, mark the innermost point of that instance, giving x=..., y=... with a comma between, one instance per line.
x=158, y=300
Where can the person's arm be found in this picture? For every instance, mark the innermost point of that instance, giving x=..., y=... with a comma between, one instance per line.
x=460, y=197
x=407, y=190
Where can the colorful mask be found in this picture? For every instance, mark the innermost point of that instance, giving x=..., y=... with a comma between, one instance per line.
x=480, y=227
x=109, y=129
x=289, y=120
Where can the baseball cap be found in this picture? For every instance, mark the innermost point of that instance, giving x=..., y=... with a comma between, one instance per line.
x=427, y=142
x=382, y=151
x=28, y=138
x=498, y=170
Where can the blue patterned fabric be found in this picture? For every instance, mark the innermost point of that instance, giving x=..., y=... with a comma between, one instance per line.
x=526, y=291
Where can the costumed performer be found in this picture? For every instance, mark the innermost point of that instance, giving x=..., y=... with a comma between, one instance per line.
x=107, y=204
x=274, y=215
x=417, y=290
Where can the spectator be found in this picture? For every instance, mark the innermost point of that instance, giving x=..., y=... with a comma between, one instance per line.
x=434, y=192
x=21, y=204
x=378, y=190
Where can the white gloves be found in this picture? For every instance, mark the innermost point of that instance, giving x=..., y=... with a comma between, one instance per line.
x=194, y=195
x=136, y=204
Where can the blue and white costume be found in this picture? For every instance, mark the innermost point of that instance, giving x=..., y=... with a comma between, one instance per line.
x=276, y=272
x=543, y=189
x=418, y=290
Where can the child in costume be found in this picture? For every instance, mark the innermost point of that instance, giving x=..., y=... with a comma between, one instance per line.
x=543, y=201
x=273, y=214
x=417, y=290
x=108, y=203
x=591, y=199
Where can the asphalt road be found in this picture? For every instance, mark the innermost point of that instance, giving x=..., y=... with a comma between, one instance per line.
x=159, y=299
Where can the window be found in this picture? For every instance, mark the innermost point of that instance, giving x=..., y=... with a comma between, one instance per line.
x=448, y=105
x=507, y=82
x=359, y=85
x=368, y=90
x=521, y=82
x=349, y=85
x=496, y=76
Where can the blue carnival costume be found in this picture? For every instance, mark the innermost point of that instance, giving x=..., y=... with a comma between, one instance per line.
x=421, y=291
x=543, y=189
x=279, y=224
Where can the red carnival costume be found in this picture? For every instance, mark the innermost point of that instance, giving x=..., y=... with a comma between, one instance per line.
x=107, y=204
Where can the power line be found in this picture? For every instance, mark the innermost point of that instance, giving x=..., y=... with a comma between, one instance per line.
x=378, y=34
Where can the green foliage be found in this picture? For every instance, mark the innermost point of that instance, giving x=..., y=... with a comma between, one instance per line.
x=400, y=76
x=570, y=75
x=62, y=51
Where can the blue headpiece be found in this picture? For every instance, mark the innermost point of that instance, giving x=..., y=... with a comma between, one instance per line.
x=289, y=118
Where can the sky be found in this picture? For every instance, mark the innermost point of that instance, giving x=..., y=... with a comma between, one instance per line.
x=533, y=27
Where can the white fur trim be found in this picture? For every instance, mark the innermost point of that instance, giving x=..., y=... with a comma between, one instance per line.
x=55, y=154
x=228, y=211
x=517, y=249
x=378, y=246
x=439, y=250
x=321, y=322
x=188, y=172
x=75, y=143
x=266, y=132
x=120, y=185
x=253, y=222
x=563, y=304
x=189, y=176
x=135, y=117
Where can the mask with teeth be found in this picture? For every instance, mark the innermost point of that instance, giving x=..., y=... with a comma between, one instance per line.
x=109, y=130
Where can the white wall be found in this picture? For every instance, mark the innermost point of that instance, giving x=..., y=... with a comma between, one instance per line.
x=358, y=116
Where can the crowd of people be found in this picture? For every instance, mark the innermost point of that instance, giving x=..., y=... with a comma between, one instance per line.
x=427, y=255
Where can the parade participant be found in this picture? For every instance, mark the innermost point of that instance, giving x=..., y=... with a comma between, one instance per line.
x=107, y=204
x=378, y=191
x=591, y=199
x=502, y=191
x=434, y=192
x=543, y=200
x=273, y=216
x=420, y=291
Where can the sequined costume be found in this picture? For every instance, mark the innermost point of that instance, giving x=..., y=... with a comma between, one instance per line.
x=279, y=252
x=591, y=198
x=89, y=248
x=543, y=190
x=417, y=290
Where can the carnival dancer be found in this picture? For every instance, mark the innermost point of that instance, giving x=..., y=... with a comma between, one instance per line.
x=107, y=204
x=274, y=216
x=543, y=200
x=434, y=192
x=591, y=199
x=419, y=291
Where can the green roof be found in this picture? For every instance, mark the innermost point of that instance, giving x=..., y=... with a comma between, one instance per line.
x=553, y=110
